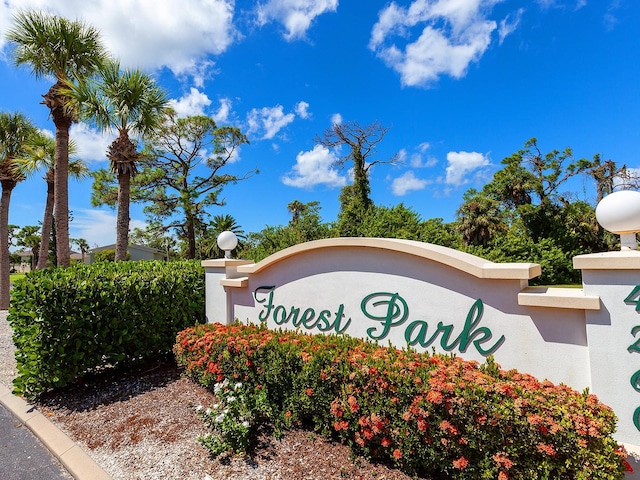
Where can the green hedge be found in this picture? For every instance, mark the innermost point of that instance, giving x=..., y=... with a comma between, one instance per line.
x=432, y=415
x=68, y=322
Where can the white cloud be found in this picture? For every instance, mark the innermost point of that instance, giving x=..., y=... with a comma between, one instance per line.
x=509, y=24
x=268, y=121
x=455, y=33
x=302, y=110
x=92, y=144
x=97, y=227
x=336, y=119
x=150, y=34
x=417, y=159
x=407, y=182
x=192, y=103
x=295, y=15
x=462, y=163
x=223, y=113
x=314, y=168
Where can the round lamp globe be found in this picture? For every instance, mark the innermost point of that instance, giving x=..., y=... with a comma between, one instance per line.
x=619, y=212
x=227, y=241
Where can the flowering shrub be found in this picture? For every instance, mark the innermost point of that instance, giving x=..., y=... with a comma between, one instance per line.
x=427, y=414
x=234, y=419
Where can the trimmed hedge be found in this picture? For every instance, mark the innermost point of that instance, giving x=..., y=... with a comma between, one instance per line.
x=68, y=322
x=427, y=414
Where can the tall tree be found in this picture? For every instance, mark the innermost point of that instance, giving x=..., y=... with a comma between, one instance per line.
x=82, y=244
x=130, y=103
x=16, y=131
x=29, y=237
x=362, y=143
x=182, y=174
x=68, y=51
x=40, y=155
x=479, y=218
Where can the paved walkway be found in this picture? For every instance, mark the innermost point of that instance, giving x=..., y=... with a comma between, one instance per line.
x=22, y=455
x=31, y=446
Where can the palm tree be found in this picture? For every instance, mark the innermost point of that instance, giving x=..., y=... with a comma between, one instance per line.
x=221, y=223
x=82, y=244
x=479, y=217
x=69, y=51
x=40, y=155
x=15, y=133
x=126, y=101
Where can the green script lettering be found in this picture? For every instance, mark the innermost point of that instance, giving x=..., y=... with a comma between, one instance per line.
x=264, y=315
x=396, y=308
x=339, y=317
x=308, y=317
x=324, y=318
x=416, y=333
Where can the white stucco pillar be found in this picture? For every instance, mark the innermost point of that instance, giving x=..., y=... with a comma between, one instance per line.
x=613, y=334
x=218, y=301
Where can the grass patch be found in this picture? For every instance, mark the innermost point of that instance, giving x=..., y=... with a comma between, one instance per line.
x=16, y=276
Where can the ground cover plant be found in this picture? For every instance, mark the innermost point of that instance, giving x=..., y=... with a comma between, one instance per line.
x=69, y=322
x=428, y=414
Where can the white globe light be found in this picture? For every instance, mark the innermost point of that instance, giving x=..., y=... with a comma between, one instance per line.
x=227, y=241
x=619, y=212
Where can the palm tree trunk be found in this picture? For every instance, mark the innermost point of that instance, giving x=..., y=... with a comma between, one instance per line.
x=61, y=186
x=46, y=226
x=122, y=225
x=5, y=268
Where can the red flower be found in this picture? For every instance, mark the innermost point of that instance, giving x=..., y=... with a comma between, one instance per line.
x=461, y=463
x=434, y=396
x=546, y=448
x=397, y=454
x=353, y=404
x=340, y=425
x=309, y=391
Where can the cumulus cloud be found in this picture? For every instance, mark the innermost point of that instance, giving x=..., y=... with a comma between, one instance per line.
x=97, y=227
x=450, y=36
x=223, y=113
x=192, y=103
x=266, y=122
x=92, y=144
x=150, y=34
x=336, y=119
x=462, y=163
x=295, y=15
x=314, y=167
x=302, y=110
x=407, y=182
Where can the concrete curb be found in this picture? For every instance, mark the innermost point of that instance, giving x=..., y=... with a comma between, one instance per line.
x=74, y=459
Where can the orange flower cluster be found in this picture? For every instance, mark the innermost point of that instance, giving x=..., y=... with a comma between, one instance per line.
x=429, y=414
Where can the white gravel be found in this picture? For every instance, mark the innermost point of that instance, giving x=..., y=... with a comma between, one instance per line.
x=8, y=369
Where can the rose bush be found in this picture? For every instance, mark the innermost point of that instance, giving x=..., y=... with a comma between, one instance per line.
x=427, y=414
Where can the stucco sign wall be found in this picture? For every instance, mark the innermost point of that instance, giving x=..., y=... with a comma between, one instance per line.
x=430, y=297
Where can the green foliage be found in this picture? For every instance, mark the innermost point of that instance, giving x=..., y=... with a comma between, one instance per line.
x=392, y=222
x=235, y=419
x=68, y=322
x=432, y=415
x=305, y=225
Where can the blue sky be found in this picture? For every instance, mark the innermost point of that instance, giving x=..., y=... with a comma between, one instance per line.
x=460, y=84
